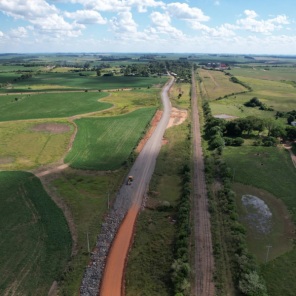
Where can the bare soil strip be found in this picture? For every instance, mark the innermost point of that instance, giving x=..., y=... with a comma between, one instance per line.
x=204, y=260
x=112, y=283
x=288, y=146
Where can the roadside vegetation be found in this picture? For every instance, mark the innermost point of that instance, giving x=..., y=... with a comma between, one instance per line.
x=263, y=171
x=35, y=239
x=159, y=259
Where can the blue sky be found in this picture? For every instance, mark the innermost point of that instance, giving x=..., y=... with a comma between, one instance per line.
x=200, y=26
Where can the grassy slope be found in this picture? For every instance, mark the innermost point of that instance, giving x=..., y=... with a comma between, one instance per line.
x=105, y=143
x=22, y=148
x=35, y=241
x=49, y=105
x=271, y=169
x=87, y=197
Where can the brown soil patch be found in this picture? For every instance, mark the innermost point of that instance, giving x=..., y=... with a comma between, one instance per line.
x=225, y=116
x=153, y=125
x=54, y=128
x=6, y=160
x=114, y=270
x=177, y=117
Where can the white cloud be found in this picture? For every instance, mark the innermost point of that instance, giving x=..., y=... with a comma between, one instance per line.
x=185, y=12
x=250, y=23
x=103, y=5
x=27, y=9
x=45, y=18
x=86, y=17
x=162, y=22
x=1, y=34
x=123, y=23
x=18, y=33
x=143, y=5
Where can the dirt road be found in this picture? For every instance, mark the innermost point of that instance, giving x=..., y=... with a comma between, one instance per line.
x=142, y=171
x=204, y=261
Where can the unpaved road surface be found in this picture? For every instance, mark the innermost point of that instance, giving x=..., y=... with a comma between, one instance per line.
x=204, y=260
x=133, y=194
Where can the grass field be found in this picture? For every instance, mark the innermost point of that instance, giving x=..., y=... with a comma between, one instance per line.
x=127, y=101
x=24, y=147
x=260, y=72
x=272, y=170
x=276, y=230
x=217, y=84
x=72, y=80
x=177, y=100
x=49, y=105
x=106, y=143
x=269, y=168
x=87, y=197
x=35, y=241
x=276, y=94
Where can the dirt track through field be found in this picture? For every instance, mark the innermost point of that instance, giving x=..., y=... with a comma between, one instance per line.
x=142, y=171
x=204, y=260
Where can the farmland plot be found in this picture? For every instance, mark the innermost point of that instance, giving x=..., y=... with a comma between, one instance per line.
x=106, y=143
x=35, y=241
x=217, y=84
x=28, y=106
x=25, y=145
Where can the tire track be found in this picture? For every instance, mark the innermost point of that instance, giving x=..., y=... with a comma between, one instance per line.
x=204, y=260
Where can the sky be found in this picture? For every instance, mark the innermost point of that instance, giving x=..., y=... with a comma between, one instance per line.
x=148, y=26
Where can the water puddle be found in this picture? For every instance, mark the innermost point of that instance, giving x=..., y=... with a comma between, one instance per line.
x=258, y=215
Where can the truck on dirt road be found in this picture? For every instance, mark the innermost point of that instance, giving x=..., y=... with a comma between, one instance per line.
x=130, y=180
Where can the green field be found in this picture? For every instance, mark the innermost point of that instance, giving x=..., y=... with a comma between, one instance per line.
x=72, y=81
x=106, y=143
x=86, y=195
x=272, y=170
x=35, y=241
x=30, y=106
x=276, y=94
x=127, y=101
x=217, y=84
x=276, y=230
x=260, y=72
x=27, y=145
x=269, y=168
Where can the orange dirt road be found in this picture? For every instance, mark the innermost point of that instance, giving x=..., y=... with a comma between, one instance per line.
x=112, y=280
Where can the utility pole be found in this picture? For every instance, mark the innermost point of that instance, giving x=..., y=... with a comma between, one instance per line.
x=267, y=253
x=87, y=242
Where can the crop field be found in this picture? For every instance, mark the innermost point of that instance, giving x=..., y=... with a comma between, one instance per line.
x=260, y=72
x=106, y=143
x=35, y=240
x=217, y=84
x=26, y=145
x=72, y=81
x=30, y=106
